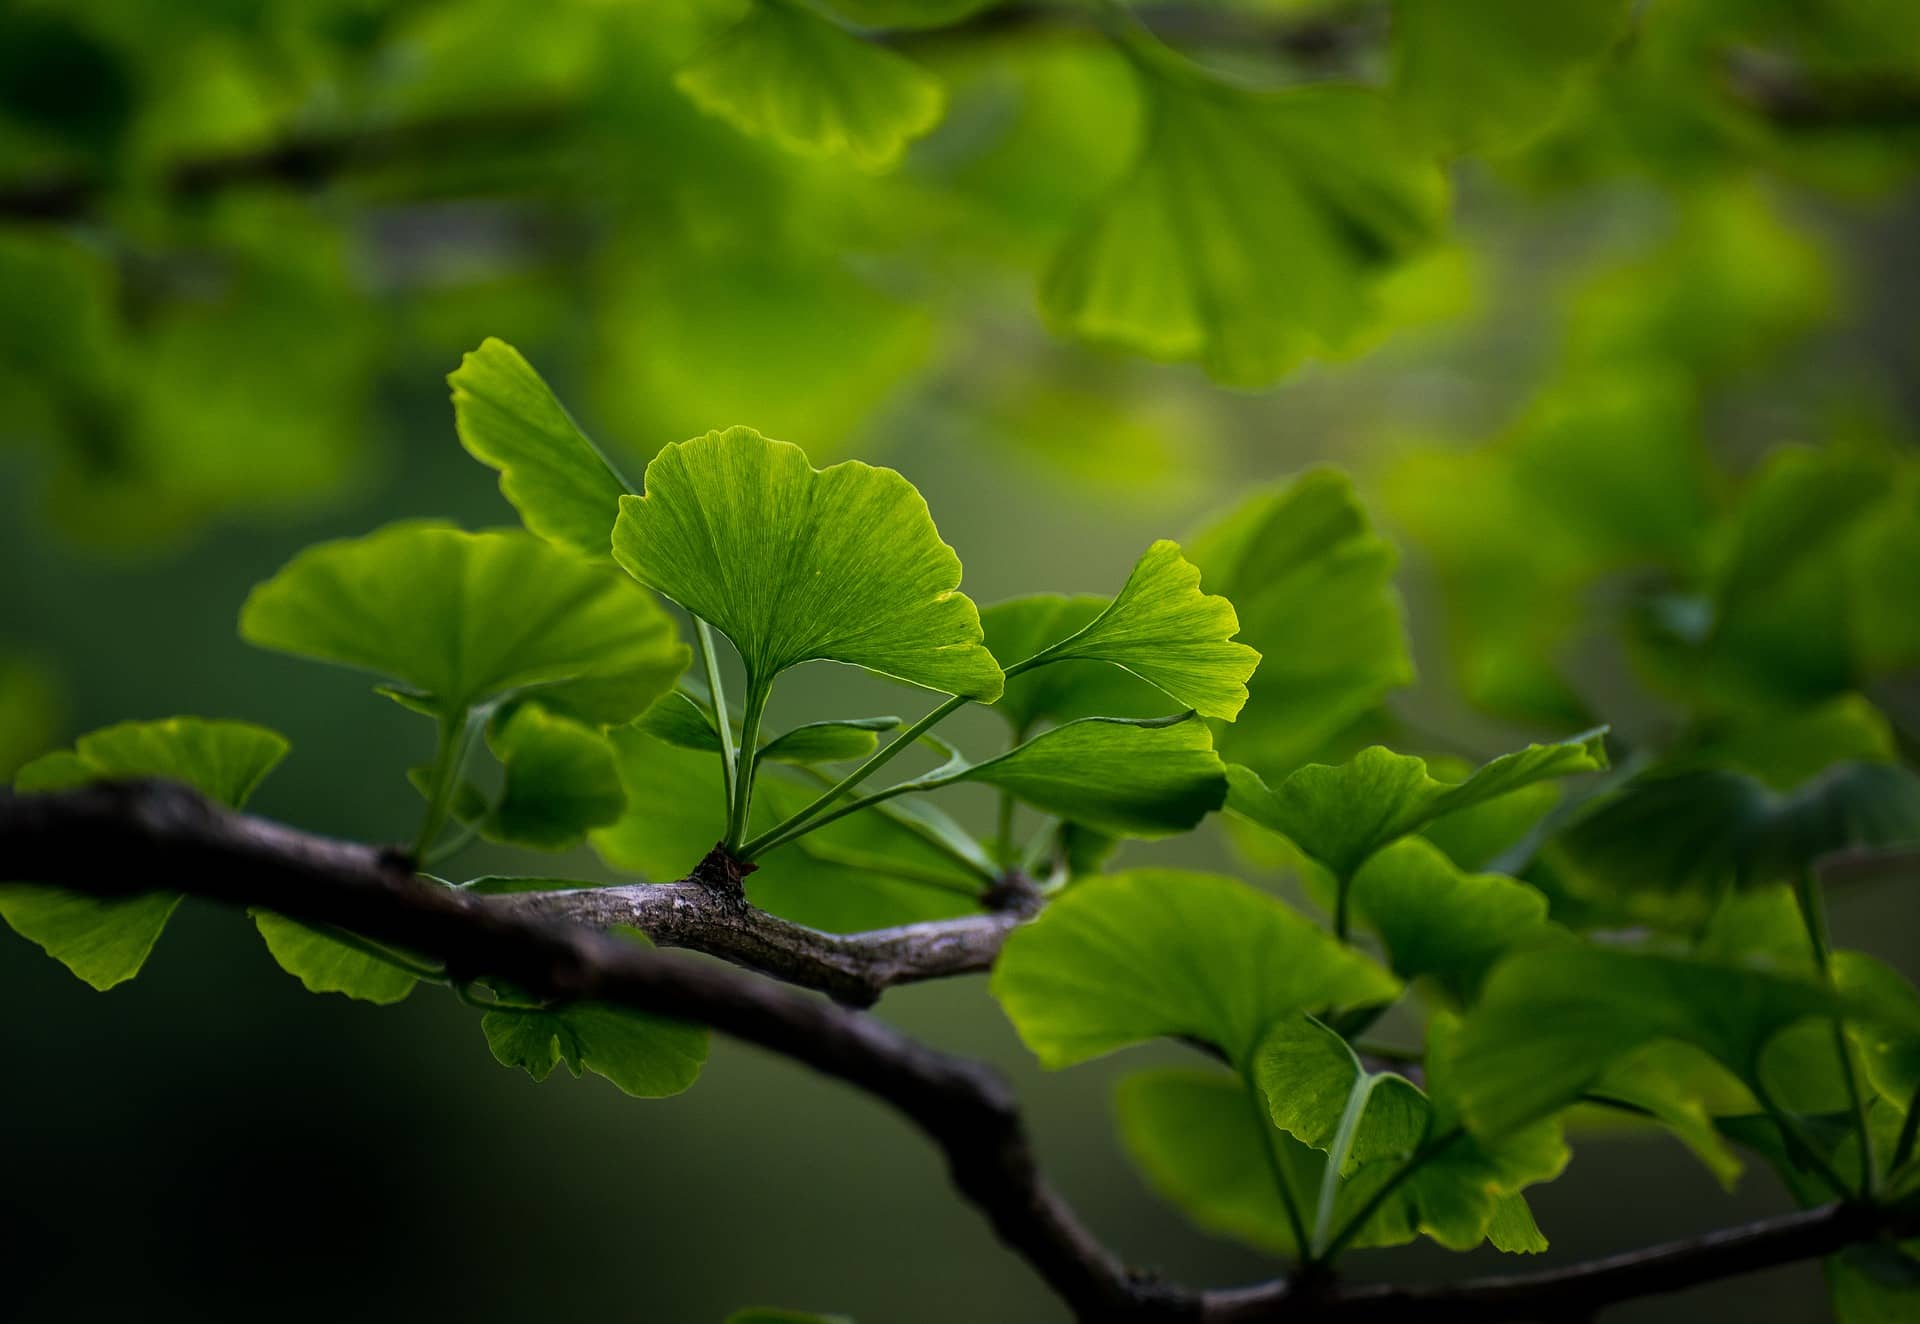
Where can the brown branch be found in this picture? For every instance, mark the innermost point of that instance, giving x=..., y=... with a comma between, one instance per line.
x=1580, y=1290
x=120, y=839
x=856, y=968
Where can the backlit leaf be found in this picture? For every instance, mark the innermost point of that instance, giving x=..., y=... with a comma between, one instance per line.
x=788, y=74
x=563, y=487
x=1062, y=691
x=1312, y=585
x=1163, y=629
x=324, y=964
x=794, y=563
x=1250, y=227
x=1149, y=953
x=466, y=617
x=105, y=942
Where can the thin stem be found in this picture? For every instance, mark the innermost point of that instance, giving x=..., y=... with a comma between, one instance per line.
x=1353, y=1226
x=1798, y=1142
x=1268, y=1130
x=757, y=692
x=1813, y=910
x=780, y=836
x=1003, y=846
x=717, y=693
x=1342, y=913
x=910, y=823
x=449, y=757
x=802, y=821
x=1909, y=1133
x=1343, y=1138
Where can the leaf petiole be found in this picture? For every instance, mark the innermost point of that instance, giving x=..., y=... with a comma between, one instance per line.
x=808, y=818
x=449, y=758
x=710, y=663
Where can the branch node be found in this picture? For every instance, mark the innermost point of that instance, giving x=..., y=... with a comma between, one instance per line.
x=723, y=876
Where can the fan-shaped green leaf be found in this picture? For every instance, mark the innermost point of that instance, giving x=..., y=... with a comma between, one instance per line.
x=106, y=942
x=507, y=417
x=1131, y=777
x=324, y=964
x=788, y=74
x=1340, y=815
x=795, y=563
x=560, y=782
x=1157, y=952
x=648, y=1057
x=1163, y=629
x=466, y=618
x=1438, y=922
x=1473, y=75
x=1312, y=585
x=1021, y=628
x=1549, y=1022
x=1250, y=227
x=1665, y=848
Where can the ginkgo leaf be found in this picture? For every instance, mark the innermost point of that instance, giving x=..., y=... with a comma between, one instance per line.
x=1020, y=628
x=1549, y=1022
x=466, y=618
x=1250, y=228
x=1439, y=922
x=325, y=964
x=648, y=1057
x=1312, y=585
x=1340, y=815
x=786, y=73
x=1163, y=629
x=565, y=489
x=105, y=942
x=1665, y=848
x=1309, y=1079
x=795, y=563
x=1126, y=957
x=560, y=782
x=1474, y=75
x=831, y=740
x=1130, y=777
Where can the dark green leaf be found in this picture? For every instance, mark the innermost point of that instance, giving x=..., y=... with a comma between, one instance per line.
x=646, y=1056
x=560, y=782
x=1341, y=815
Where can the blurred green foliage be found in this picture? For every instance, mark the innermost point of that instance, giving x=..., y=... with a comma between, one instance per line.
x=1607, y=306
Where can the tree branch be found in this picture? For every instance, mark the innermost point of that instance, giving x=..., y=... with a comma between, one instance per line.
x=855, y=968
x=119, y=839
x=1578, y=1291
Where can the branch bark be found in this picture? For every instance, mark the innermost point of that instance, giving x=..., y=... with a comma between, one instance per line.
x=120, y=839
x=705, y=914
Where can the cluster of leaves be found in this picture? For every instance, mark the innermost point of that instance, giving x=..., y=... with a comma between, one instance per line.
x=1469, y=902
x=1235, y=203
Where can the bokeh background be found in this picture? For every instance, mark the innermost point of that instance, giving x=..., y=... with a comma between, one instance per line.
x=241, y=244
